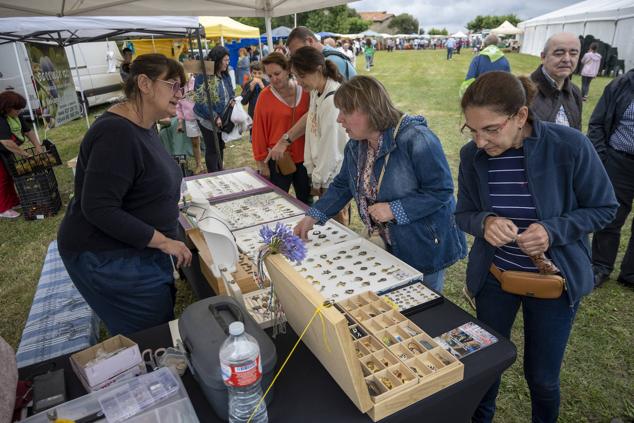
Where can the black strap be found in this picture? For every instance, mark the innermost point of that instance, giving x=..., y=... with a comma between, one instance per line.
x=329, y=94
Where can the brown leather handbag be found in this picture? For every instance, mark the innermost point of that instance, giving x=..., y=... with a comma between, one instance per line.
x=286, y=165
x=529, y=284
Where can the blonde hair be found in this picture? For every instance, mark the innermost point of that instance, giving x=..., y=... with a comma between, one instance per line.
x=366, y=94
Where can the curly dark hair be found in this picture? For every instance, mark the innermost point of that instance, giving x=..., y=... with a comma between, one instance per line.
x=10, y=100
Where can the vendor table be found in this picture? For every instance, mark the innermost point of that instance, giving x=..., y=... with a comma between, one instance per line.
x=306, y=393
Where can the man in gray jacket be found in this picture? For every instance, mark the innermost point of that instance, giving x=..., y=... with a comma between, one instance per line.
x=557, y=99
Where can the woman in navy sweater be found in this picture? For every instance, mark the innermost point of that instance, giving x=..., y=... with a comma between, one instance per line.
x=120, y=227
x=527, y=188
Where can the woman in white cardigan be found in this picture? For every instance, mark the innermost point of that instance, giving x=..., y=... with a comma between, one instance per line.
x=325, y=138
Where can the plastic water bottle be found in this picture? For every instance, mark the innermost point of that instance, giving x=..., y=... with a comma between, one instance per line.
x=241, y=372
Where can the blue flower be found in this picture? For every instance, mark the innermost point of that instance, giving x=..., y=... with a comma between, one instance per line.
x=281, y=240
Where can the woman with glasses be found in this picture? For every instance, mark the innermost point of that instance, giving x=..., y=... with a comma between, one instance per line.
x=529, y=192
x=118, y=237
x=211, y=120
x=395, y=169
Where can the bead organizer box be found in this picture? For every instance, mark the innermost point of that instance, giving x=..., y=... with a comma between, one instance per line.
x=249, y=240
x=222, y=184
x=370, y=358
x=351, y=267
x=412, y=297
x=395, y=353
x=255, y=210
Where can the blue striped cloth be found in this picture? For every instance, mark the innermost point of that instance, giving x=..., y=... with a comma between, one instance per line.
x=60, y=321
x=510, y=197
x=622, y=139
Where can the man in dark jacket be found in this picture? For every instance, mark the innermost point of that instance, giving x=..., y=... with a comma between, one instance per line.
x=611, y=130
x=558, y=100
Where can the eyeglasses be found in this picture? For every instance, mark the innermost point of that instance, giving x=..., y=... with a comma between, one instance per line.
x=176, y=86
x=470, y=133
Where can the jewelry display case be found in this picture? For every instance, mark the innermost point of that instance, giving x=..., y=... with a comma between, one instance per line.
x=352, y=267
x=226, y=184
x=249, y=240
x=379, y=358
x=255, y=210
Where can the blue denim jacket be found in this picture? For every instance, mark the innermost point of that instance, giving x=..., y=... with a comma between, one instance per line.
x=572, y=194
x=417, y=184
x=225, y=93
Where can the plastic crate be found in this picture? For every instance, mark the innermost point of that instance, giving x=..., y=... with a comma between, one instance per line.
x=39, y=195
x=36, y=162
x=181, y=160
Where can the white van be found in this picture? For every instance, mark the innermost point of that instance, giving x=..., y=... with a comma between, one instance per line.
x=98, y=65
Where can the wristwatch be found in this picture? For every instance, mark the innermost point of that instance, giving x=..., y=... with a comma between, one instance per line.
x=287, y=138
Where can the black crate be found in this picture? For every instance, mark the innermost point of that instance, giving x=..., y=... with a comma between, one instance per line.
x=35, y=163
x=181, y=160
x=39, y=195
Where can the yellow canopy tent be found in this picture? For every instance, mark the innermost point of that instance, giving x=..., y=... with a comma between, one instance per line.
x=169, y=48
x=225, y=27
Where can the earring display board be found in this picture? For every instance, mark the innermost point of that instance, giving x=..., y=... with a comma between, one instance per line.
x=379, y=358
x=331, y=233
x=412, y=297
x=255, y=210
x=227, y=184
x=346, y=269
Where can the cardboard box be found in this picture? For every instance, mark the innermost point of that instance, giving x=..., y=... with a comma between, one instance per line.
x=125, y=362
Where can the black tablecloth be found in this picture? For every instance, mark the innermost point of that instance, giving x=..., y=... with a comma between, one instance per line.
x=305, y=392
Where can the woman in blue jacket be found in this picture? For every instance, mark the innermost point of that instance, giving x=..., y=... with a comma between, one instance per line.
x=395, y=169
x=210, y=120
x=527, y=188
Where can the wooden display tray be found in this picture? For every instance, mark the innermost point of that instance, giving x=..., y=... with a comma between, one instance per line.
x=244, y=270
x=336, y=348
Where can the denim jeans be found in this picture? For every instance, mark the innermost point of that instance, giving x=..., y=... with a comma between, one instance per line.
x=547, y=326
x=128, y=293
x=449, y=53
x=299, y=179
x=435, y=281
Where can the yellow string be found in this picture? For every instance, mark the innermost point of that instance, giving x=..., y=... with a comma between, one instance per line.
x=317, y=312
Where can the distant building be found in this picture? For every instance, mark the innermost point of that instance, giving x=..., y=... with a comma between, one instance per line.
x=380, y=21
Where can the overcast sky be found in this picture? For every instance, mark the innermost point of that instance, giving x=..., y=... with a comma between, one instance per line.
x=454, y=14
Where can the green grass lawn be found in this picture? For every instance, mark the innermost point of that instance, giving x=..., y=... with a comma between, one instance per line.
x=597, y=377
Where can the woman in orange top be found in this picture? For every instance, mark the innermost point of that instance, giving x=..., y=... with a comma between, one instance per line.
x=279, y=107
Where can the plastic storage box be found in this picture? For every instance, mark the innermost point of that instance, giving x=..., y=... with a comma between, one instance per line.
x=157, y=397
x=204, y=326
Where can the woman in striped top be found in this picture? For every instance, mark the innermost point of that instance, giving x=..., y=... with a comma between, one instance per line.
x=527, y=189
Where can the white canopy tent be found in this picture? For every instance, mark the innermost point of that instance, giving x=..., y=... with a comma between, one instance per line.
x=71, y=30
x=246, y=8
x=506, y=28
x=611, y=21
x=459, y=34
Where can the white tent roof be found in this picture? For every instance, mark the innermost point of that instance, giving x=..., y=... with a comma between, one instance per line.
x=459, y=34
x=611, y=21
x=254, y=8
x=506, y=28
x=595, y=10
x=38, y=28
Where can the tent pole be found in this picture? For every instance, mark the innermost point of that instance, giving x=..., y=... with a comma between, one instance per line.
x=295, y=20
x=153, y=45
x=222, y=40
x=269, y=35
x=206, y=87
x=26, y=91
x=81, y=89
